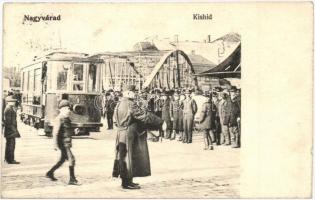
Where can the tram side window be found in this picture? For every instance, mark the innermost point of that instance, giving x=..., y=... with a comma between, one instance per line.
x=37, y=80
x=31, y=80
x=78, y=77
x=62, y=78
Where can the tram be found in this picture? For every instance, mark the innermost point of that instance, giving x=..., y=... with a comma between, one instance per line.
x=57, y=76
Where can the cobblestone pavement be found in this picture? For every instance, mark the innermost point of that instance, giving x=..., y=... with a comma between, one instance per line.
x=178, y=170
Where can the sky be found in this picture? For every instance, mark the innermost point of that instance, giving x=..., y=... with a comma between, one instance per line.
x=93, y=28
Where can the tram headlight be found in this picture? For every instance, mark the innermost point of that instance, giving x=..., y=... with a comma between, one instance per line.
x=79, y=109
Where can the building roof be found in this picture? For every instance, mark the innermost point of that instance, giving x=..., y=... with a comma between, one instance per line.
x=229, y=68
x=200, y=63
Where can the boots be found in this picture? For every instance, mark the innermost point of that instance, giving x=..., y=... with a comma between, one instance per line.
x=73, y=180
x=50, y=175
x=127, y=184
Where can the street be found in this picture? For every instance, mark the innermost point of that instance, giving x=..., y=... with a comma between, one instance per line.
x=178, y=170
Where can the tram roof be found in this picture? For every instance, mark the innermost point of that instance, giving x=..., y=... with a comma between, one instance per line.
x=64, y=56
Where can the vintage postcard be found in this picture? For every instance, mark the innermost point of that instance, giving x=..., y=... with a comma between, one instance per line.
x=143, y=100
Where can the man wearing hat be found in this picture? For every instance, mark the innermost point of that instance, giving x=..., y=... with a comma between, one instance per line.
x=189, y=111
x=176, y=112
x=224, y=113
x=206, y=122
x=132, y=155
x=166, y=117
x=10, y=129
x=158, y=108
x=234, y=118
x=62, y=137
x=216, y=99
x=109, y=110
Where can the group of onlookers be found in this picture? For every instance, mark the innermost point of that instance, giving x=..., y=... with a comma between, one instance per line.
x=218, y=117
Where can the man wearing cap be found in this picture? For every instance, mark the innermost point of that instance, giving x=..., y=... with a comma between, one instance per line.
x=132, y=155
x=234, y=118
x=176, y=112
x=10, y=129
x=224, y=112
x=62, y=137
x=189, y=111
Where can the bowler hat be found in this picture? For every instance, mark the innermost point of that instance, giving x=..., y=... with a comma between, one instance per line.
x=217, y=89
x=64, y=103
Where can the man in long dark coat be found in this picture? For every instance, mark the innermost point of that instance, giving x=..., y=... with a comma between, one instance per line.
x=234, y=118
x=109, y=109
x=132, y=155
x=10, y=129
x=166, y=116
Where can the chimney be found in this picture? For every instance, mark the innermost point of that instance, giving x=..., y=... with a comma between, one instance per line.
x=209, y=38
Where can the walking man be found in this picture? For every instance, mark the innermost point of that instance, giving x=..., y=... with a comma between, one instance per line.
x=62, y=133
x=10, y=129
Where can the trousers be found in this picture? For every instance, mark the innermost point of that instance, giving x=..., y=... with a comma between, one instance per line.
x=208, y=137
x=188, y=127
x=9, y=149
x=225, y=135
x=66, y=154
x=235, y=137
x=109, y=117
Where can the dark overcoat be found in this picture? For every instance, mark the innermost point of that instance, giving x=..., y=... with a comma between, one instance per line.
x=207, y=118
x=166, y=116
x=10, y=124
x=234, y=113
x=132, y=123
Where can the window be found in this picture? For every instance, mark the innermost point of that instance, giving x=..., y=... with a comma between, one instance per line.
x=92, y=78
x=23, y=81
x=31, y=80
x=62, y=73
x=78, y=83
x=37, y=80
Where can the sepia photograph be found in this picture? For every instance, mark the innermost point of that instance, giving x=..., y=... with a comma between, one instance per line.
x=123, y=100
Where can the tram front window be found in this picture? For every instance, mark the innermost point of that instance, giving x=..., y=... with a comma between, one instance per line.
x=92, y=78
x=62, y=78
x=78, y=77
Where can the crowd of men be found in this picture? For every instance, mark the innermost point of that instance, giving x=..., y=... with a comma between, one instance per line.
x=135, y=114
x=218, y=117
